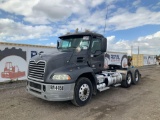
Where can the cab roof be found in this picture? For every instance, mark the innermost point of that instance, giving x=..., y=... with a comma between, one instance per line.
x=82, y=33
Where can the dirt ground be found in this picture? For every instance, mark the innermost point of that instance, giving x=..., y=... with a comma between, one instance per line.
x=139, y=102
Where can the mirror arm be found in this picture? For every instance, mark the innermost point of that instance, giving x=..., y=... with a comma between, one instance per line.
x=57, y=44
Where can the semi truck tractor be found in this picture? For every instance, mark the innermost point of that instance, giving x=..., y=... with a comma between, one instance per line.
x=77, y=71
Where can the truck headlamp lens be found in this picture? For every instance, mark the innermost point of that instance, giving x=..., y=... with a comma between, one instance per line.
x=61, y=77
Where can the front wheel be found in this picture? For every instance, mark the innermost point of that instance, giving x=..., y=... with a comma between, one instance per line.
x=82, y=92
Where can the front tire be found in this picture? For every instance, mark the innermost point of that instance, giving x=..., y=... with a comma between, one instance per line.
x=82, y=92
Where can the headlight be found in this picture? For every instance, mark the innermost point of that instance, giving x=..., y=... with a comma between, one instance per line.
x=61, y=77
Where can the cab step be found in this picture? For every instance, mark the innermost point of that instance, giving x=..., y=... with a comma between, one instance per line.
x=103, y=89
x=117, y=85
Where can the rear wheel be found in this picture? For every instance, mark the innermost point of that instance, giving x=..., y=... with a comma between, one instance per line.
x=82, y=92
x=136, y=77
x=127, y=83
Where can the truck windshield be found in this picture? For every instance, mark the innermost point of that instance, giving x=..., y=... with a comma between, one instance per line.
x=72, y=42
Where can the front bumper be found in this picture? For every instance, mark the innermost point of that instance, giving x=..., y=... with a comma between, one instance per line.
x=51, y=92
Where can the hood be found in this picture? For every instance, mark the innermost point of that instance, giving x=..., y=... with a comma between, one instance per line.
x=56, y=61
x=53, y=61
x=52, y=56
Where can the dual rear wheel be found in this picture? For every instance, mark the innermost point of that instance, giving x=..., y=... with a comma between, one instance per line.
x=131, y=79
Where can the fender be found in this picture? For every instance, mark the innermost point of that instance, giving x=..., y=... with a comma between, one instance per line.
x=74, y=71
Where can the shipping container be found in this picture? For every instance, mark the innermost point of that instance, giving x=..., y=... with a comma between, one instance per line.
x=141, y=60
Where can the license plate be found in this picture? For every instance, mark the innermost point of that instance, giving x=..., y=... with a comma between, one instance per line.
x=57, y=87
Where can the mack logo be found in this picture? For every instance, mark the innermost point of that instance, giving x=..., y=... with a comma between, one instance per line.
x=36, y=62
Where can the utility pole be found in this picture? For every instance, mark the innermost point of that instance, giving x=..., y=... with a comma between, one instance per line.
x=138, y=57
x=131, y=49
x=131, y=54
x=105, y=20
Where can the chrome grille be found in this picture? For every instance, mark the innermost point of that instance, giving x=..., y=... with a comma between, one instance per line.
x=36, y=70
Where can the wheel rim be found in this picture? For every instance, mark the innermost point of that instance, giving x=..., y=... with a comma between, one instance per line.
x=137, y=76
x=84, y=92
x=129, y=80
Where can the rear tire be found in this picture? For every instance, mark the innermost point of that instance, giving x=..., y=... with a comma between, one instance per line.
x=136, y=77
x=127, y=83
x=82, y=92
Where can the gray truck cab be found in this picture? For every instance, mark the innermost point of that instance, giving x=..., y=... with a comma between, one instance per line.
x=75, y=71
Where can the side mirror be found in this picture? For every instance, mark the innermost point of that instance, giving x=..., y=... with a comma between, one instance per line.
x=104, y=45
x=57, y=44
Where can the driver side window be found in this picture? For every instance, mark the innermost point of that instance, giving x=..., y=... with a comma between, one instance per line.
x=96, y=44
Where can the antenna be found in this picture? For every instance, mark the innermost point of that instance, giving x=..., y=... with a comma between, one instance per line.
x=105, y=20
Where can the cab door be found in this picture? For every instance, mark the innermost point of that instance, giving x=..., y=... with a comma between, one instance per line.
x=97, y=56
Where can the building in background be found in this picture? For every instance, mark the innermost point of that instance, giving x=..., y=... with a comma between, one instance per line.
x=116, y=58
x=14, y=59
x=142, y=59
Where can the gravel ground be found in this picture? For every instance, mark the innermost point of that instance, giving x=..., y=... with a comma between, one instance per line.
x=139, y=102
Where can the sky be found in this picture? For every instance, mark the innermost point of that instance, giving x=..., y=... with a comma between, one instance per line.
x=124, y=23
